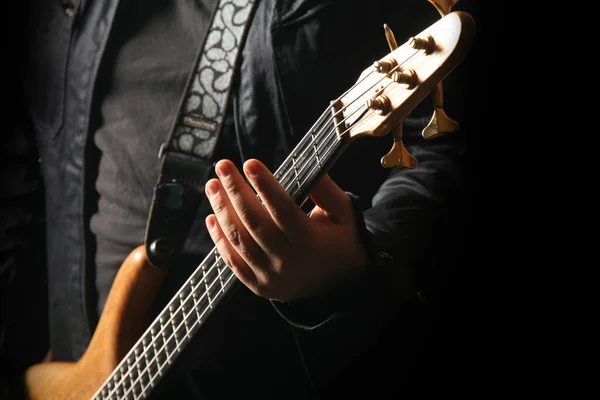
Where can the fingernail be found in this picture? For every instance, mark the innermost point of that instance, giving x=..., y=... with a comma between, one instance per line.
x=250, y=169
x=210, y=222
x=211, y=188
x=222, y=169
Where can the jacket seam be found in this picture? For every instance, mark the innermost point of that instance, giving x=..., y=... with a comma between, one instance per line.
x=86, y=130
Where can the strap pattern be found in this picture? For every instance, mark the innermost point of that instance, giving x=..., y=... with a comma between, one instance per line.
x=205, y=102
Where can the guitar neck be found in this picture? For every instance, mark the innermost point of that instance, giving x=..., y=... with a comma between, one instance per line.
x=157, y=349
x=313, y=156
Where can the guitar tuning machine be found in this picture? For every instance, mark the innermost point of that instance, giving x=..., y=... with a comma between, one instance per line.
x=385, y=66
x=439, y=123
x=398, y=156
x=443, y=6
x=426, y=44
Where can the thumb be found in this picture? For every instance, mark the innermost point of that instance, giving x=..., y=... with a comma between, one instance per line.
x=330, y=198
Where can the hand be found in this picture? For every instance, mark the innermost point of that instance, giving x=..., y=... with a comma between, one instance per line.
x=277, y=250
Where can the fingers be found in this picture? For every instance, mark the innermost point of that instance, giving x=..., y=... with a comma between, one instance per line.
x=332, y=202
x=231, y=257
x=249, y=209
x=264, y=242
x=281, y=207
x=239, y=250
x=327, y=195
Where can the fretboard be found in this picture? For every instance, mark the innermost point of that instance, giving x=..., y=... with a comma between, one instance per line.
x=160, y=345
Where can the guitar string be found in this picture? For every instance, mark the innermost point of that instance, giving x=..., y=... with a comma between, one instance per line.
x=328, y=135
x=183, y=304
x=157, y=335
x=173, y=336
x=184, y=318
x=332, y=116
x=130, y=371
x=320, y=120
x=306, y=145
x=159, y=318
x=308, y=140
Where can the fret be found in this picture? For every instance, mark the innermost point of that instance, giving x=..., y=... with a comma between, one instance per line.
x=144, y=387
x=220, y=269
x=104, y=392
x=165, y=338
x=187, y=303
x=285, y=174
x=155, y=344
x=206, y=287
x=162, y=330
x=216, y=285
x=296, y=172
x=149, y=360
x=154, y=371
x=109, y=387
x=185, y=319
x=195, y=296
x=174, y=325
x=287, y=180
x=112, y=386
x=307, y=171
x=131, y=376
x=123, y=382
x=141, y=369
x=315, y=147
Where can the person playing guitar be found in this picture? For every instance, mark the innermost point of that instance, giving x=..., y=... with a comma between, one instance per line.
x=277, y=248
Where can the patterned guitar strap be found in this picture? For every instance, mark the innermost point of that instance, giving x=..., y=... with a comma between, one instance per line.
x=186, y=156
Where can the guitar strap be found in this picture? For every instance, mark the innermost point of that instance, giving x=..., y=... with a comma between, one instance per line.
x=186, y=158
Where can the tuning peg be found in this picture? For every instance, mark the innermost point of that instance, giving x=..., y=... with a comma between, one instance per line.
x=398, y=156
x=391, y=39
x=443, y=6
x=440, y=123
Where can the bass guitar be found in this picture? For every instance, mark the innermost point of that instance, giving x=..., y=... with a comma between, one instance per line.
x=127, y=357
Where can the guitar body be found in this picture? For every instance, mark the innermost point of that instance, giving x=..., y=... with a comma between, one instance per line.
x=123, y=320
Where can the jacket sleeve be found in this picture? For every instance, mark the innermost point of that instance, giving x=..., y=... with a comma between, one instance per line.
x=401, y=230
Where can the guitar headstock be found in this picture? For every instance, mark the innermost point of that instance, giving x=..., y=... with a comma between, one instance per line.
x=388, y=91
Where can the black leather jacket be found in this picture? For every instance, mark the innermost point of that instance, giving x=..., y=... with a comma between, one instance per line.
x=299, y=55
